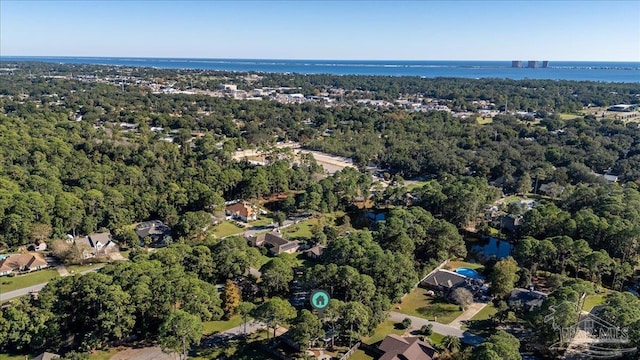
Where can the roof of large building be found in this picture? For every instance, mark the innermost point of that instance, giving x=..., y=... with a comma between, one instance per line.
x=92, y=240
x=150, y=228
x=396, y=347
x=274, y=238
x=527, y=297
x=317, y=250
x=20, y=261
x=242, y=209
x=446, y=278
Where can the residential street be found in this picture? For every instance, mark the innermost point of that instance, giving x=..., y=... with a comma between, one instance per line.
x=416, y=322
x=21, y=292
x=35, y=288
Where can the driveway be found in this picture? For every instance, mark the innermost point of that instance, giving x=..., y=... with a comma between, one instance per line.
x=147, y=353
x=467, y=314
x=221, y=338
x=62, y=270
x=417, y=322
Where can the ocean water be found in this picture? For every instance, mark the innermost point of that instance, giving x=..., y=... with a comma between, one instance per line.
x=628, y=72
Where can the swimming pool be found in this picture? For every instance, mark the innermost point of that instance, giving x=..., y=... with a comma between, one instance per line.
x=469, y=273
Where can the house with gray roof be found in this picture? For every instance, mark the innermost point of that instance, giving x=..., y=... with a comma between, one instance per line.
x=444, y=280
x=93, y=245
x=156, y=231
x=274, y=242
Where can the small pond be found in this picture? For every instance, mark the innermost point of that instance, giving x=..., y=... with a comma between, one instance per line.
x=485, y=249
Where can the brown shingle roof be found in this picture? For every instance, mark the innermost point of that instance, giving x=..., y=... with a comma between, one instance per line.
x=274, y=238
x=406, y=348
x=22, y=261
x=241, y=209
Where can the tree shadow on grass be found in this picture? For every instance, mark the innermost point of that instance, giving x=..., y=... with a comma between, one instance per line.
x=483, y=328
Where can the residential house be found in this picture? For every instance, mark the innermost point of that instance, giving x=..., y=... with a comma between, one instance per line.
x=510, y=222
x=274, y=242
x=316, y=251
x=46, y=356
x=156, y=231
x=444, y=280
x=243, y=211
x=40, y=246
x=22, y=263
x=95, y=245
x=527, y=299
x=396, y=347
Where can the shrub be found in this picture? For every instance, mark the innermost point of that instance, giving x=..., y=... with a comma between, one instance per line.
x=426, y=330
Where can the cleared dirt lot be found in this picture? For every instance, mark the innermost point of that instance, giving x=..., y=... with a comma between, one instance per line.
x=330, y=163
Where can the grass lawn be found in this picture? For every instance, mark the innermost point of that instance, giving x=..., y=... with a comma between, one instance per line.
x=22, y=281
x=235, y=349
x=484, y=121
x=210, y=327
x=417, y=184
x=593, y=300
x=418, y=303
x=360, y=355
x=510, y=199
x=486, y=312
x=297, y=260
x=262, y=221
x=301, y=229
x=436, y=339
x=227, y=228
x=263, y=260
x=18, y=357
x=102, y=354
x=77, y=269
x=385, y=328
x=452, y=265
x=565, y=116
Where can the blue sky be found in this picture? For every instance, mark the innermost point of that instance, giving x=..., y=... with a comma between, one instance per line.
x=412, y=30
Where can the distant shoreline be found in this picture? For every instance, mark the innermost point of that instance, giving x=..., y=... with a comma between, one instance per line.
x=637, y=63
x=620, y=72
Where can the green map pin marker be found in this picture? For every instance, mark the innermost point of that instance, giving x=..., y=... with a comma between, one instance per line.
x=319, y=300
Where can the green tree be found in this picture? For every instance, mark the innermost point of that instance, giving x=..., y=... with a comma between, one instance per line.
x=524, y=184
x=279, y=217
x=276, y=276
x=451, y=343
x=306, y=329
x=244, y=309
x=505, y=345
x=274, y=312
x=504, y=276
x=179, y=332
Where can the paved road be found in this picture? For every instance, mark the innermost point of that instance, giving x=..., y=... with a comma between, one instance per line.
x=21, y=292
x=416, y=322
x=30, y=289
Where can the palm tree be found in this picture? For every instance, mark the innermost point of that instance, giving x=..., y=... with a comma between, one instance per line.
x=451, y=343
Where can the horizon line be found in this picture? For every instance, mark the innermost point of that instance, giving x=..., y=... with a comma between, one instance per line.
x=294, y=59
